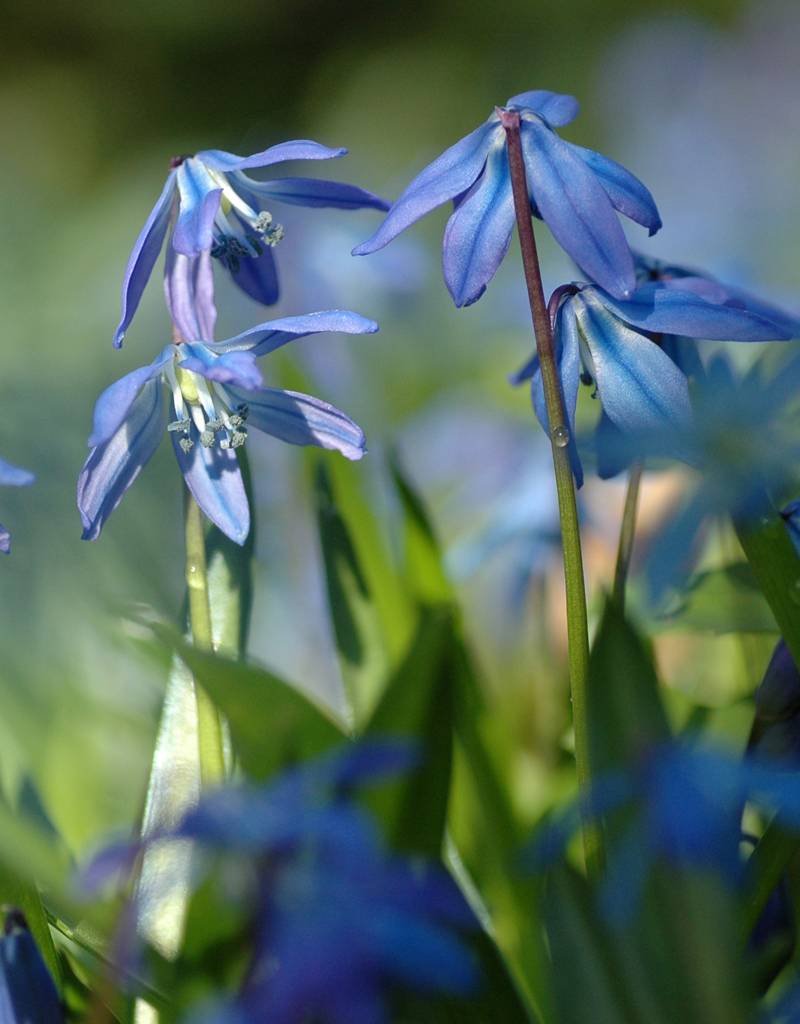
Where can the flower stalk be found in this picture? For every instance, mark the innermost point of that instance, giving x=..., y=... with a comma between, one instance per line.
x=209, y=725
x=577, y=620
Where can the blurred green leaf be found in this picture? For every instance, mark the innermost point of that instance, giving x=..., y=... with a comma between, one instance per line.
x=774, y=852
x=586, y=982
x=776, y=567
x=626, y=715
x=418, y=706
x=17, y=890
x=424, y=567
x=726, y=600
x=360, y=642
x=272, y=724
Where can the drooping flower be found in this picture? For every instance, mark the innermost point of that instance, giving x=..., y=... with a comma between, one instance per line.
x=11, y=476
x=215, y=395
x=214, y=205
x=335, y=919
x=27, y=992
x=614, y=346
x=573, y=189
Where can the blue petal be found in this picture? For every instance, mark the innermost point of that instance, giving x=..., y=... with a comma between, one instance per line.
x=448, y=176
x=626, y=192
x=786, y=322
x=214, y=478
x=14, y=476
x=113, y=466
x=143, y=257
x=576, y=208
x=239, y=368
x=301, y=419
x=189, y=291
x=568, y=358
x=115, y=403
x=669, y=310
x=5, y=540
x=556, y=108
x=640, y=387
x=297, y=149
x=614, y=452
x=268, y=336
x=199, y=203
x=257, y=276
x=27, y=992
x=478, y=233
x=314, y=192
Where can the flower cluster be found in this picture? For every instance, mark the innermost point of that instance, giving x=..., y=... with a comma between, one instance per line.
x=213, y=210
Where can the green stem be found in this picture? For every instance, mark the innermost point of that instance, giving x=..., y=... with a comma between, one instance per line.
x=577, y=619
x=209, y=726
x=627, y=533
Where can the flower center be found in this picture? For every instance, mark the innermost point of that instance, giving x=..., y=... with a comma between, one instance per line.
x=240, y=232
x=204, y=410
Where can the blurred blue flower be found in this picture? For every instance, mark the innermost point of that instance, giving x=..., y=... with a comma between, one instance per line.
x=335, y=919
x=11, y=476
x=573, y=189
x=613, y=345
x=688, y=801
x=215, y=206
x=27, y=992
x=216, y=393
x=742, y=438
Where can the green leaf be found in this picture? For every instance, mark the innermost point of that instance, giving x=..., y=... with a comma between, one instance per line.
x=626, y=715
x=360, y=643
x=418, y=706
x=773, y=854
x=272, y=724
x=424, y=566
x=726, y=600
x=586, y=982
x=776, y=567
x=17, y=890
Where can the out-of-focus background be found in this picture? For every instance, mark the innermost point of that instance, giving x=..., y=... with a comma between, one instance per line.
x=699, y=98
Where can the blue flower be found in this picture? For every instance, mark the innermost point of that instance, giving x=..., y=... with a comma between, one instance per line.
x=213, y=205
x=11, y=476
x=574, y=190
x=27, y=992
x=335, y=919
x=614, y=346
x=688, y=801
x=216, y=393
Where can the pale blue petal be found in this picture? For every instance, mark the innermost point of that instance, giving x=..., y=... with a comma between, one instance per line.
x=189, y=291
x=670, y=310
x=301, y=419
x=273, y=334
x=556, y=108
x=113, y=466
x=314, y=192
x=297, y=149
x=199, y=203
x=5, y=540
x=114, y=405
x=215, y=480
x=576, y=208
x=626, y=192
x=478, y=233
x=450, y=174
x=143, y=257
x=239, y=368
x=640, y=387
x=14, y=476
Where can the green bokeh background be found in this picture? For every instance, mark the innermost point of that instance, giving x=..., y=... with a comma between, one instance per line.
x=697, y=97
